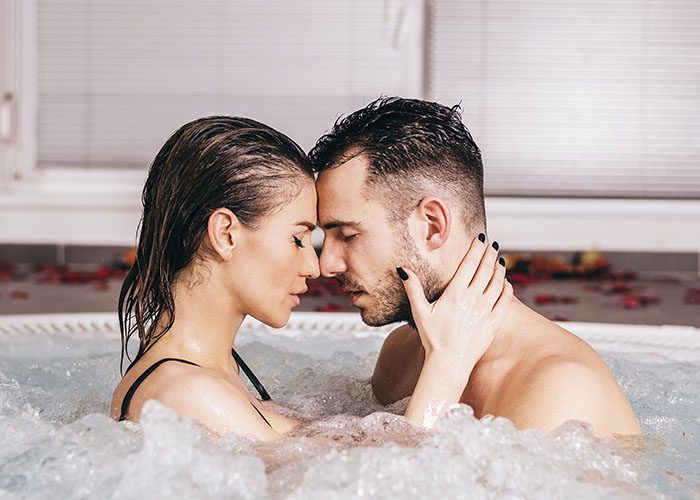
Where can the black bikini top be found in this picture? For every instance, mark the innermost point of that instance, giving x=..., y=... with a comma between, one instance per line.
x=264, y=395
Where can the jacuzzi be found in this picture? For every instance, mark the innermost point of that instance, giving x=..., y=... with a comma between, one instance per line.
x=57, y=373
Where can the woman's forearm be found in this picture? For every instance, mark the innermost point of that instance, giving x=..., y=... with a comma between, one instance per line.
x=440, y=384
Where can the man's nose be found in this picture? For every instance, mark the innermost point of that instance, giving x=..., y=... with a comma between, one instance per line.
x=331, y=261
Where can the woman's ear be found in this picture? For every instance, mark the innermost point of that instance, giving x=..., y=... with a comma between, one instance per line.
x=435, y=221
x=222, y=232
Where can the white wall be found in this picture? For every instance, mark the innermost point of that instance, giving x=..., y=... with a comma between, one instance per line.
x=82, y=207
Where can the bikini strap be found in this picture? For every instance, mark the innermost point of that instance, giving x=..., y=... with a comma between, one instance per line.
x=264, y=395
x=132, y=390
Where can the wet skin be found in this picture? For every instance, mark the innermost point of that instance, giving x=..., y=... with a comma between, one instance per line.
x=258, y=272
x=534, y=372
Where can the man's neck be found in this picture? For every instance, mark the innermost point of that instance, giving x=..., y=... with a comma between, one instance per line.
x=517, y=331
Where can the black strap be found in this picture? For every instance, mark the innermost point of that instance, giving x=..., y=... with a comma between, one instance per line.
x=264, y=395
x=130, y=393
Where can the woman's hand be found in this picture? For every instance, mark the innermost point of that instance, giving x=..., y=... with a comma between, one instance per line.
x=463, y=321
x=456, y=329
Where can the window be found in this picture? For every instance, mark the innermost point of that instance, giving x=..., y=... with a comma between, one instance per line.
x=567, y=98
x=116, y=78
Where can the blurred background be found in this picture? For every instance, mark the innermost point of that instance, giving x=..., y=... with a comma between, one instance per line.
x=587, y=114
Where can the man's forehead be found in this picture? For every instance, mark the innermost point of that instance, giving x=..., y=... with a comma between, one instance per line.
x=341, y=196
x=346, y=178
x=340, y=189
x=334, y=213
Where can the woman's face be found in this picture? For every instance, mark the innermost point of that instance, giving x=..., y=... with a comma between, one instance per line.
x=274, y=261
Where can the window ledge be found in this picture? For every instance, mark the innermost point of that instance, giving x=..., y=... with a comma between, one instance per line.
x=103, y=208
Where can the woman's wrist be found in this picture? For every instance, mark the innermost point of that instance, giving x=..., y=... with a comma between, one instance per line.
x=454, y=365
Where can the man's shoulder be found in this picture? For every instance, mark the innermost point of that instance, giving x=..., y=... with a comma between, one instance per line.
x=398, y=365
x=561, y=371
x=562, y=387
x=402, y=337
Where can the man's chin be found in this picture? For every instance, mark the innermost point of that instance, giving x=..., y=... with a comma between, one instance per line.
x=370, y=319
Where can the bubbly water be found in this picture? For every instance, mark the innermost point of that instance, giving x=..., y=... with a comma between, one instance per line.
x=56, y=440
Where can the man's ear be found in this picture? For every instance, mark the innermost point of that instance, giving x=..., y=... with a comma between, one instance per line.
x=223, y=230
x=435, y=220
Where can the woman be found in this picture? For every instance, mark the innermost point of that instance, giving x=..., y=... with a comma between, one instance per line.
x=228, y=210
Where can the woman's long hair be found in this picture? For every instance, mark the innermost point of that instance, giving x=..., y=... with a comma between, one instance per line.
x=207, y=164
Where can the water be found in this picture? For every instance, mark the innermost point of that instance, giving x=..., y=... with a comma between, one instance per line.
x=57, y=442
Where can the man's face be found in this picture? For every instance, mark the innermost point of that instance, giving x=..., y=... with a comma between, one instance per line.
x=362, y=247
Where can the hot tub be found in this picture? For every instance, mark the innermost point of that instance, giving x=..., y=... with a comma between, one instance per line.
x=57, y=373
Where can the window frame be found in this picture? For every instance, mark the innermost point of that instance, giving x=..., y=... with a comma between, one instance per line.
x=102, y=206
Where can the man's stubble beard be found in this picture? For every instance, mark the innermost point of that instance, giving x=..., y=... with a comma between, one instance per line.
x=390, y=302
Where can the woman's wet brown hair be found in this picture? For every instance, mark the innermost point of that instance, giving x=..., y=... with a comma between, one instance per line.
x=209, y=163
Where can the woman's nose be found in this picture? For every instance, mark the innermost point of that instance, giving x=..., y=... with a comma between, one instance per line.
x=311, y=267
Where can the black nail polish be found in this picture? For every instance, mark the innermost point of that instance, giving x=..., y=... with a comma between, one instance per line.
x=502, y=261
x=402, y=273
x=508, y=278
x=482, y=237
x=495, y=245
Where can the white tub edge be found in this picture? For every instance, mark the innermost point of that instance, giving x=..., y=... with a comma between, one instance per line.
x=678, y=343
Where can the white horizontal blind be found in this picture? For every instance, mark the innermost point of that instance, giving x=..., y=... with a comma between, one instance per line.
x=117, y=77
x=574, y=97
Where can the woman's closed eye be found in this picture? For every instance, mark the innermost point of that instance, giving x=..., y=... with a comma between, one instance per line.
x=298, y=242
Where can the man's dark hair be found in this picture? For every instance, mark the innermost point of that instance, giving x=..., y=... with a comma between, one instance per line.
x=414, y=148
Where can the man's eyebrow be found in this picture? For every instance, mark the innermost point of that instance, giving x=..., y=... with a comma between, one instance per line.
x=332, y=224
x=309, y=225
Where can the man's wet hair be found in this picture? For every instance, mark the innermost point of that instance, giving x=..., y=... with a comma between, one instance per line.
x=415, y=149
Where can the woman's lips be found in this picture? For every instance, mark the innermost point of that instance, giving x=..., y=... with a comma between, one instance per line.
x=295, y=296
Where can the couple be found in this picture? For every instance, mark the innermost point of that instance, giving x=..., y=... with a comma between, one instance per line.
x=228, y=210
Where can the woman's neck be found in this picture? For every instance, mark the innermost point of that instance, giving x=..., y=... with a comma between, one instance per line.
x=205, y=327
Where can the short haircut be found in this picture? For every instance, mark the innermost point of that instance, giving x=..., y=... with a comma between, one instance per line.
x=415, y=149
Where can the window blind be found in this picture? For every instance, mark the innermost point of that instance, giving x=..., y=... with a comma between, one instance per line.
x=574, y=98
x=116, y=78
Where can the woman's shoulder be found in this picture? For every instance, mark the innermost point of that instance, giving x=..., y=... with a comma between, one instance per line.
x=198, y=393
x=164, y=379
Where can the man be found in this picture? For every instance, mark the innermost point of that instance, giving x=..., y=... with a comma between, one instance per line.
x=400, y=184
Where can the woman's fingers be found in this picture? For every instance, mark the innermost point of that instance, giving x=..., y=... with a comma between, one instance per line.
x=485, y=271
x=415, y=293
x=470, y=263
x=495, y=286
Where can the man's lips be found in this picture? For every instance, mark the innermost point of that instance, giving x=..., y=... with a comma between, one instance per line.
x=355, y=295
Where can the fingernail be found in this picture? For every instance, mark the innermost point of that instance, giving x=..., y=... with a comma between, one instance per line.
x=402, y=273
x=495, y=245
x=482, y=237
x=502, y=261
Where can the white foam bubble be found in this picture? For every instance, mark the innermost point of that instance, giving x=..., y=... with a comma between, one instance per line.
x=56, y=440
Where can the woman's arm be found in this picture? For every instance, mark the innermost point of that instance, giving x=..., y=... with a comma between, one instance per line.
x=456, y=329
